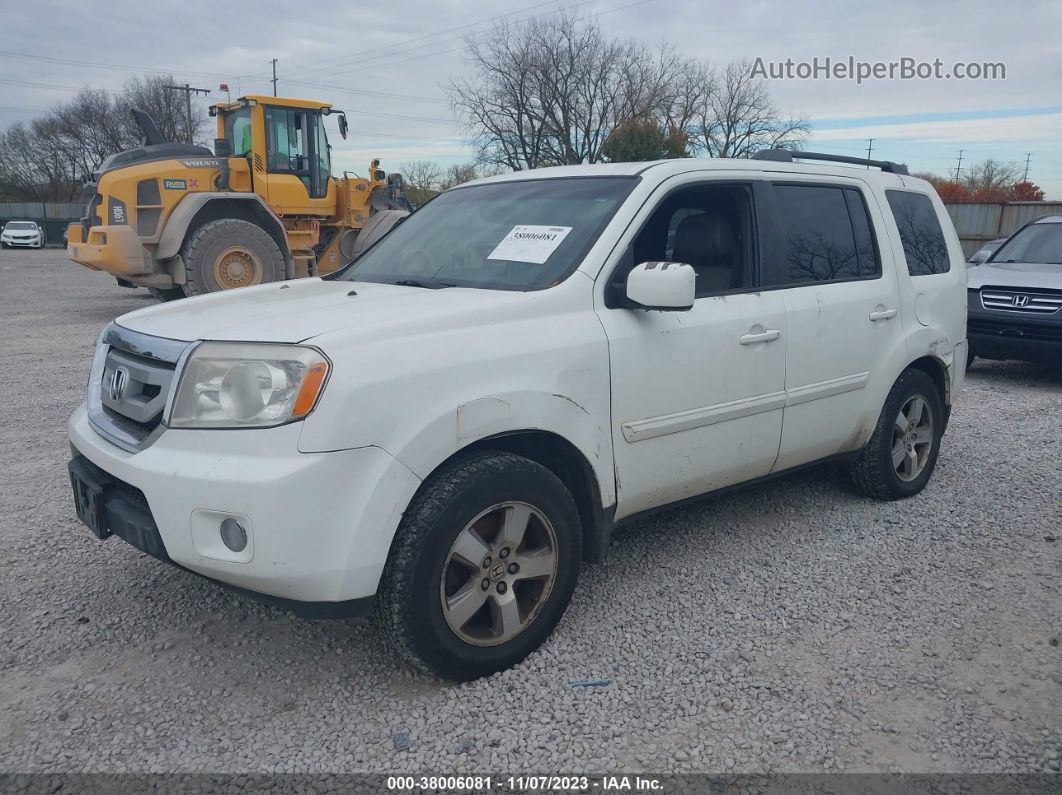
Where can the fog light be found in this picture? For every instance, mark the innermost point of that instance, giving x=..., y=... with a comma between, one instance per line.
x=233, y=534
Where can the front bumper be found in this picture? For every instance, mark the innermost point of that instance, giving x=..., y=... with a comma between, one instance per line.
x=319, y=525
x=31, y=242
x=1012, y=335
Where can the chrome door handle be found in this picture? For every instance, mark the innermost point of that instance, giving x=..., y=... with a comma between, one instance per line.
x=770, y=335
x=882, y=314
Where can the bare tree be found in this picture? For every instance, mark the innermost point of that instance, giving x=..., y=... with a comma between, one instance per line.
x=735, y=116
x=550, y=91
x=33, y=167
x=991, y=175
x=459, y=174
x=168, y=108
x=49, y=158
x=422, y=180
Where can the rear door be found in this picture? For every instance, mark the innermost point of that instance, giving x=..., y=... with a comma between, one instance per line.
x=842, y=309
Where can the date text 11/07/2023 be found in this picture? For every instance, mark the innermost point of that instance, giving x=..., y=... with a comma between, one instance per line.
x=539, y=783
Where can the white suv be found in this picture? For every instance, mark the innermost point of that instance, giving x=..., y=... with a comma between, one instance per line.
x=449, y=426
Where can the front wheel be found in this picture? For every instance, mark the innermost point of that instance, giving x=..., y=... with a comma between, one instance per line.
x=229, y=253
x=482, y=568
x=902, y=452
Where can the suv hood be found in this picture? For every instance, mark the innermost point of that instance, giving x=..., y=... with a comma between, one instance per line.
x=1026, y=275
x=298, y=310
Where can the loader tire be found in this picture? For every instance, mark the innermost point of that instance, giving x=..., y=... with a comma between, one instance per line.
x=229, y=253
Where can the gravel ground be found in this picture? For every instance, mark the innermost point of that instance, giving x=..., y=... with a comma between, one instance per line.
x=792, y=626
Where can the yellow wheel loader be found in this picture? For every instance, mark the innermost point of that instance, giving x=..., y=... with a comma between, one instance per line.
x=263, y=206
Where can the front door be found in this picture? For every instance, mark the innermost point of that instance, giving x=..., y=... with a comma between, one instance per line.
x=297, y=162
x=697, y=396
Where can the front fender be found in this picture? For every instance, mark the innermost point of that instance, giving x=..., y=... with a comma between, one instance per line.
x=178, y=221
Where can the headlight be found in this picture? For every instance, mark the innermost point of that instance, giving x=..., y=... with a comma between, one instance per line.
x=248, y=385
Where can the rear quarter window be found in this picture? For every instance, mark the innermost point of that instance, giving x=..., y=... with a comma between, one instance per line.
x=923, y=239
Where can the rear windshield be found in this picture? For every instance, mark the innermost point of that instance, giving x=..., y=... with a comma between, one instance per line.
x=23, y=225
x=507, y=235
x=1040, y=243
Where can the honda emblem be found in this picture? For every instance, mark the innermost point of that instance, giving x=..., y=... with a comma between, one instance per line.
x=1020, y=301
x=116, y=387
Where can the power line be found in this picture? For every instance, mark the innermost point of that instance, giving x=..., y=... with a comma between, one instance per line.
x=365, y=66
x=367, y=92
x=303, y=70
x=54, y=86
x=408, y=137
x=102, y=65
x=13, y=109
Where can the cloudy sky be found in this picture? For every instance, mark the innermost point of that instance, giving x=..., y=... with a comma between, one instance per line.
x=387, y=65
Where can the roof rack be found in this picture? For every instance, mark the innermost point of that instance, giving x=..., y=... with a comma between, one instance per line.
x=788, y=156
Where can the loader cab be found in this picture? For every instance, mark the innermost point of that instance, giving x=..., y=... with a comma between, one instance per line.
x=286, y=147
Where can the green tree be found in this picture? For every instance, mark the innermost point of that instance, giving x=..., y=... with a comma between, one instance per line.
x=643, y=139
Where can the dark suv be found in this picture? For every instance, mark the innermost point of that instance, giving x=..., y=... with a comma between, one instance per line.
x=1015, y=298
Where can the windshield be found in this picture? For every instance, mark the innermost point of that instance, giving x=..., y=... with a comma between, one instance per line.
x=21, y=225
x=506, y=236
x=1034, y=243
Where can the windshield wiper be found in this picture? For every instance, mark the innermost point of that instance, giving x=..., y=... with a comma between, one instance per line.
x=419, y=283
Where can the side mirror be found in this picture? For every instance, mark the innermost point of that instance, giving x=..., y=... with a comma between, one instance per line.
x=343, y=125
x=666, y=286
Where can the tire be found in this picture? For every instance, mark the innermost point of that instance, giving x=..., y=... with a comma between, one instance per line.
x=875, y=474
x=229, y=253
x=424, y=570
x=970, y=355
x=168, y=294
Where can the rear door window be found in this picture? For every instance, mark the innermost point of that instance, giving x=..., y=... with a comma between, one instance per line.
x=920, y=232
x=825, y=235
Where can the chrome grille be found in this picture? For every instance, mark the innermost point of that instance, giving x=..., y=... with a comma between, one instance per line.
x=1033, y=302
x=131, y=380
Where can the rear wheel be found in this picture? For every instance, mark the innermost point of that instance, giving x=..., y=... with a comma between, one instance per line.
x=482, y=568
x=229, y=253
x=902, y=452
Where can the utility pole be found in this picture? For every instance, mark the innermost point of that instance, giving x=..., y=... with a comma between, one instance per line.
x=274, y=81
x=870, y=148
x=188, y=91
x=1025, y=176
x=958, y=165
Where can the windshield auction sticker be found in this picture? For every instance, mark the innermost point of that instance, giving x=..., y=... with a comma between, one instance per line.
x=530, y=243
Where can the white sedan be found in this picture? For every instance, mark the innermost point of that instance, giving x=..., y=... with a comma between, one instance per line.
x=22, y=233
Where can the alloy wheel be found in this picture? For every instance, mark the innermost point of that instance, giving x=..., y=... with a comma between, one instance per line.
x=499, y=573
x=912, y=438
